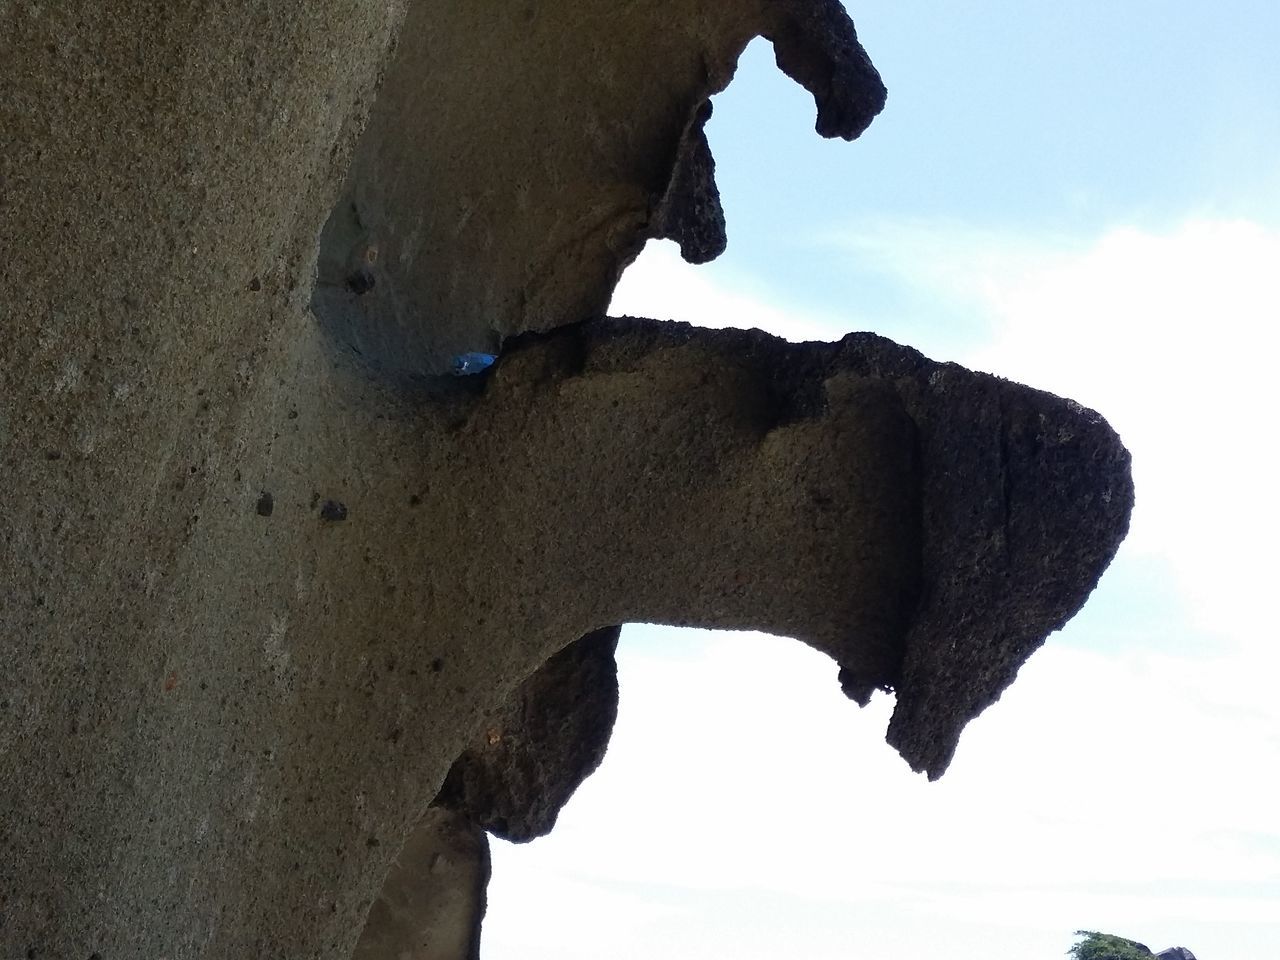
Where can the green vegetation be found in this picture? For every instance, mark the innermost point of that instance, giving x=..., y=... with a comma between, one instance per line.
x=1106, y=946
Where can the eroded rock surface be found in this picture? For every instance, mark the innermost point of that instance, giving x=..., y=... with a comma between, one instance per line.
x=432, y=902
x=265, y=581
x=512, y=780
x=519, y=154
x=535, y=750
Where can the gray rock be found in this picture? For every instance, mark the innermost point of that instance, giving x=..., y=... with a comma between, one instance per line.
x=222, y=719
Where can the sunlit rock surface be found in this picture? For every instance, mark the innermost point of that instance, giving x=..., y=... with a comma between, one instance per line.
x=268, y=579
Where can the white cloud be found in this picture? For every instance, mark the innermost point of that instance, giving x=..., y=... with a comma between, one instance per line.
x=662, y=286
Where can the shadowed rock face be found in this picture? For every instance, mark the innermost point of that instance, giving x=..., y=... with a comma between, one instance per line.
x=269, y=585
x=431, y=904
x=512, y=780
x=925, y=526
x=558, y=137
x=973, y=514
x=541, y=744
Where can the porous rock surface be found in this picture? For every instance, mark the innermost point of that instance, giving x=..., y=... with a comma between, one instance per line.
x=535, y=750
x=267, y=581
x=518, y=156
x=512, y=780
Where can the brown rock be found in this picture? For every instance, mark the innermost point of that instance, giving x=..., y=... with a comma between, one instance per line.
x=433, y=899
x=218, y=731
x=539, y=746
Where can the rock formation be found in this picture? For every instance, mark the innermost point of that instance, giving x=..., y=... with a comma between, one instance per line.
x=272, y=587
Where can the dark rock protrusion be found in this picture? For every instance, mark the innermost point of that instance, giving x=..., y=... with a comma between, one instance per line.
x=512, y=781
x=548, y=737
x=691, y=213
x=1025, y=498
x=815, y=43
x=333, y=511
x=997, y=508
x=589, y=124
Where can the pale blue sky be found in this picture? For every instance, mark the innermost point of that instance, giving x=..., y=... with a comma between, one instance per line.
x=1055, y=119
x=1084, y=197
x=1064, y=116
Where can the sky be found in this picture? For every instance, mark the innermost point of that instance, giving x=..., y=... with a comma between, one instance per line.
x=1084, y=197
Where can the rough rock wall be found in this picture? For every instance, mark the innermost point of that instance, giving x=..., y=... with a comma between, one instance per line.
x=265, y=580
x=550, y=735
x=519, y=154
x=431, y=904
x=520, y=769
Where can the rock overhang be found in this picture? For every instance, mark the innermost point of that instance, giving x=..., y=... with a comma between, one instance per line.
x=220, y=666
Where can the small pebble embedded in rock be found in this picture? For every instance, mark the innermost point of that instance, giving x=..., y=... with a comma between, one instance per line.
x=266, y=504
x=333, y=511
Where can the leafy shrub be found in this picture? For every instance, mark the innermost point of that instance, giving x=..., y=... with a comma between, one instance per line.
x=1106, y=946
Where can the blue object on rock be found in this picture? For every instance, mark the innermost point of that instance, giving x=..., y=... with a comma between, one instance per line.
x=465, y=364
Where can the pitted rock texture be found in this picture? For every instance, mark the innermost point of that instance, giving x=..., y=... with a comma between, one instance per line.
x=519, y=154
x=536, y=750
x=711, y=478
x=983, y=519
x=264, y=584
x=512, y=780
